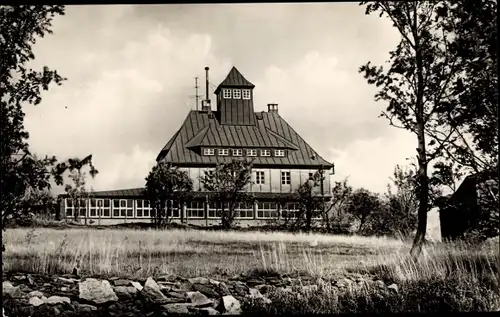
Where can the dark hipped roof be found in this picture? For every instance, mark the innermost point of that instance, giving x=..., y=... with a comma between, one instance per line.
x=271, y=131
x=234, y=79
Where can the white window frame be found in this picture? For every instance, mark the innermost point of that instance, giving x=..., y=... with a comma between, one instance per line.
x=236, y=94
x=197, y=209
x=226, y=93
x=265, y=152
x=252, y=152
x=140, y=203
x=245, y=211
x=223, y=152
x=176, y=210
x=69, y=209
x=286, y=178
x=213, y=208
x=295, y=209
x=123, y=210
x=208, y=151
x=265, y=210
x=237, y=152
x=279, y=153
x=100, y=208
x=72, y=208
x=260, y=178
x=246, y=94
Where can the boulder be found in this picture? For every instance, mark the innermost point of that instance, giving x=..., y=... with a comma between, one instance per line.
x=231, y=305
x=198, y=299
x=35, y=301
x=54, y=300
x=137, y=285
x=84, y=307
x=223, y=289
x=36, y=294
x=199, y=280
x=152, y=291
x=177, y=308
x=12, y=291
x=206, y=290
x=121, y=282
x=180, y=295
x=208, y=311
x=393, y=287
x=125, y=291
x=97, y=292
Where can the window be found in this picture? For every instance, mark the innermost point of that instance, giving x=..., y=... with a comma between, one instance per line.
x=236, y=94
x=100, y=208
x=223, y=151
x=214, y=209
x=290, y=210
x=285, y=178
x=237, y=152
x=267, y=210
x=79, y=209
x=123, y=208
x=279, y=152
x=174, y=209
x=265, y=152
x=246, y=93
x=143, y=208
x=311, y=176
x=194, y=209
x=209, y=152
x=244, y=210
x=226, y=93
x=252, y=152
x=259, y=178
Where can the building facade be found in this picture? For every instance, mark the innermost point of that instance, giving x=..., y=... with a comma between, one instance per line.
x=282, y=161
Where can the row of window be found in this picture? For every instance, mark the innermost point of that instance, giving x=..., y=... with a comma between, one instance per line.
x=239, y=152
x=236, y=93
x=260, y=178
x=123, y=208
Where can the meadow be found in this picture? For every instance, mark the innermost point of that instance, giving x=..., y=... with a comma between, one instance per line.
x=137, y=254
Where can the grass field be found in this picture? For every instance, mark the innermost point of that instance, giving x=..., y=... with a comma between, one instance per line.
x=142, y=253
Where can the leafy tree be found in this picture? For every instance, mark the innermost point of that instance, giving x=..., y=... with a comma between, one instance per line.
x=228, y=184
x=341, y=193
x=362, y=204
x=166, y=185
x=425, y=86
x=310, y=202
x=21, y=171
x=77, y=192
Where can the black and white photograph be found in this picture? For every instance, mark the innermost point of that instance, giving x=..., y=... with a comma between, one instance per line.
x=249, y=158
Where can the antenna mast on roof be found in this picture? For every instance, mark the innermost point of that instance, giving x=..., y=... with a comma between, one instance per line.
x=206, y=84
x=196, y=87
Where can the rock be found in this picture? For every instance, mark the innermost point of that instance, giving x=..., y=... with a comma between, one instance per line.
x=151, y=291
x=125, y=291
x=56, y=311
x=121, y=282
x=178, y=308
x=67, y=280
x=176, y=295
x=97, y=292
x=53, y=300
x=36, y=294
x=254, y=293
x=205, y=290
x=198, y=299
x=254, y=282
x=223, y=289
x=199, y=280
x=208, y=311
x=214, y=282
x=12, y=291
x=231, y=305
x=263, y=288
x=84, y=307
x=137, y=285
x=35, y=301
x=64, y=289
x=380, y=283
x=393, y=287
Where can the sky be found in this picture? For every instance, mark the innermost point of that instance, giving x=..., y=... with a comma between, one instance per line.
x=131, y=73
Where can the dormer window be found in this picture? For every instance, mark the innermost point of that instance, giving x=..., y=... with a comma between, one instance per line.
x=279, y=153
x=223, y=151
x=209, y=152
x=227, y=93
x=265, y=152
x=237, y=152
x=246, y=93
x=236, y=94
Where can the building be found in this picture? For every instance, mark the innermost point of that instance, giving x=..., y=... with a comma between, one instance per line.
x=282, y=161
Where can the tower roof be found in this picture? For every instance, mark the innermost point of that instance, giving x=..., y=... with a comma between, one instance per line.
x=234, y=79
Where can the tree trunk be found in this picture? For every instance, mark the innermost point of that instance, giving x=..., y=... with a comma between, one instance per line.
x=423, y=182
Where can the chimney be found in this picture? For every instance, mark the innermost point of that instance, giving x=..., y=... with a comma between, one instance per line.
x=205, y=104
x=272, y=107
